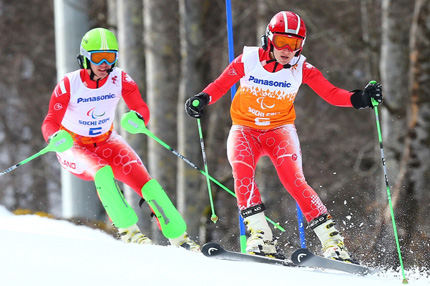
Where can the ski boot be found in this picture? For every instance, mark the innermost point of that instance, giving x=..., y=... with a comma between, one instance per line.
x=331, y=239
x=185, y=242
x=260, y=240
x=132, y=234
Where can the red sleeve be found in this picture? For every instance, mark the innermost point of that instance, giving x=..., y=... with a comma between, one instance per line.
x=57, y=108
x=133, y=98
x=232, y=74
x=330, y=93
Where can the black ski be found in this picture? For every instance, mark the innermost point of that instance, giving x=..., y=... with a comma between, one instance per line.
x=300, y=257
x=214, y=250
x=304, y=257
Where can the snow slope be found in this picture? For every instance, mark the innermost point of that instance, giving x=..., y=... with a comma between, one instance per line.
x=42, y=251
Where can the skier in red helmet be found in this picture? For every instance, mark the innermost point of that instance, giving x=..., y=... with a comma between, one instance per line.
x=263, y=118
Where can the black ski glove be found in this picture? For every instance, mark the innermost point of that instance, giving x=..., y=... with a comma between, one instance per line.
x=363, y=98
x=194, y=105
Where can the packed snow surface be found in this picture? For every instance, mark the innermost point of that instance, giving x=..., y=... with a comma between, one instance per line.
x=42, y=251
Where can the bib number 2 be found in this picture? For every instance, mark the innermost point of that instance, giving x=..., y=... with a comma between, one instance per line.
x=95, y=131
x=261, y=121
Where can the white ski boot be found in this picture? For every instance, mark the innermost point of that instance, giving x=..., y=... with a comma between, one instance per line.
x=331, y=239
x=132, y=234
x=260, y=240
x=185, y=242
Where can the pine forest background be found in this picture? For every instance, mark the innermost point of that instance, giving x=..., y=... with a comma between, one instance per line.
x=173, y=49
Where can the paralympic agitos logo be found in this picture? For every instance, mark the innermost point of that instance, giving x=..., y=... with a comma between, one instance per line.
x=91, y=113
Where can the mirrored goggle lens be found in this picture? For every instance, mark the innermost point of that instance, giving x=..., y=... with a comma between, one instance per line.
x=282, y=42
x=98, y=58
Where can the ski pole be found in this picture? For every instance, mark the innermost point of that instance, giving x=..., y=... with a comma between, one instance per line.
x=214, y=218
x=378, y=127
x=59, y=143
x=132, y=124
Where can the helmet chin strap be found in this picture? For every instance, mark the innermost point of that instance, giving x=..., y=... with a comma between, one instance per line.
x=286, y=66
x=92, y=74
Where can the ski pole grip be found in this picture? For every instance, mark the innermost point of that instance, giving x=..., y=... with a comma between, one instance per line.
x=196, y=103
x=133, y=123
x=62, y=141
x=374, y=102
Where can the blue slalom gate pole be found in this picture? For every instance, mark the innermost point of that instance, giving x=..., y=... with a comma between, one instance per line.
x=230, y=40
x=301, y=227
x=233, y=92
x=242, y=229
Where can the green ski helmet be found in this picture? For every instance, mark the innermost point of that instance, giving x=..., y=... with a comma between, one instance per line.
x=98, y=40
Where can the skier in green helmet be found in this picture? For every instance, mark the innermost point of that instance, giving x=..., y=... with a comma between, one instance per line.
x=98, y=46
x=83, y=103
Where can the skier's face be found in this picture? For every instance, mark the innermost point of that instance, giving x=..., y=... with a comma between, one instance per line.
x=100, y=71
x=283, y=56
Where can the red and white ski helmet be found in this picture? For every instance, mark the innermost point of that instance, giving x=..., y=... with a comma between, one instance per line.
x=286, y=22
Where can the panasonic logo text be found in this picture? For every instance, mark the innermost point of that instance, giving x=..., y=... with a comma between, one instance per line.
x=96, y=98
x=269, y=82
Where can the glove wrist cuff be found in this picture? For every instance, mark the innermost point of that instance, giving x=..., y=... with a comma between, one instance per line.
x=204, y=96
x=357, y=99
x=52, y=136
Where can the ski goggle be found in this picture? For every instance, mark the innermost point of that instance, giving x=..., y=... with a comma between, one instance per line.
x=99, y=57
x=283, y=41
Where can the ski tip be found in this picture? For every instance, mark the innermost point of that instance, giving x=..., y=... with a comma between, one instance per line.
x=300, y=255
x=304, y=257
x=211, y=249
